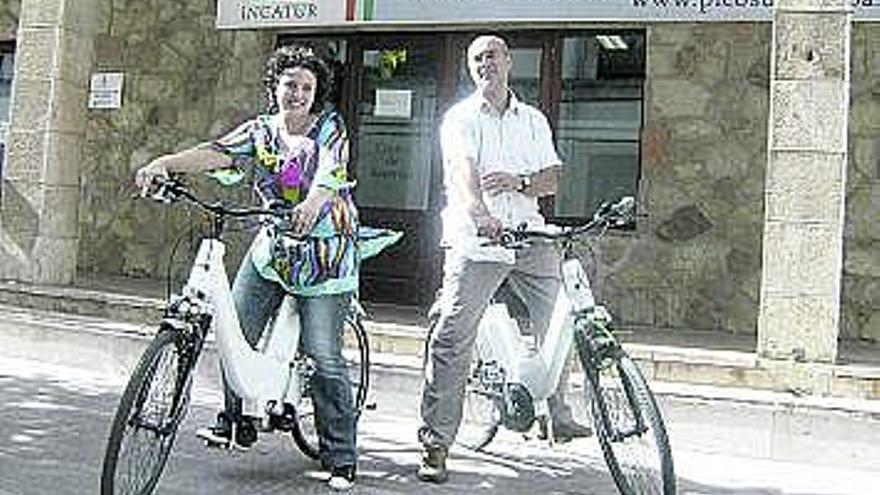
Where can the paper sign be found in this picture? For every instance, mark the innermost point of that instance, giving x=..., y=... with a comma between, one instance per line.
x=105, y=90
x=393, y=103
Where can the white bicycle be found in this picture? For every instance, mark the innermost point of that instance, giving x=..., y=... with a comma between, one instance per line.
x=510, y=381
x=273, y=381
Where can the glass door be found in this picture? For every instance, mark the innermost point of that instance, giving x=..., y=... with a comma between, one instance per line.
x=395, y=147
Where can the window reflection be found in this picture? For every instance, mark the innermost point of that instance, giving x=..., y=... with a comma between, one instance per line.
x=600, y=118
x=7, y=63
x=396, y=126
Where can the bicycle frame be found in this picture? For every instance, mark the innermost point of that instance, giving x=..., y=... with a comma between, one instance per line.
x=499, y=338
x=265, y=379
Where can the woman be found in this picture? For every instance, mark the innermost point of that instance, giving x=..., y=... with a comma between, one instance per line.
x=297, y=153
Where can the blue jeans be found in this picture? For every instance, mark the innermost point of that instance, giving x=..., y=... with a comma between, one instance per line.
x=322, y=319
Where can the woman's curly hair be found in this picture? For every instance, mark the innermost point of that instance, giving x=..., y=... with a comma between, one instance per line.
x=288, y=57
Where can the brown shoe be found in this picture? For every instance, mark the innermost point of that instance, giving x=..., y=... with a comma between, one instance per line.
x=433, y=466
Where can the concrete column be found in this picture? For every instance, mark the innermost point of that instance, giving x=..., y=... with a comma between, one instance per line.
x=805, y=182
x=40, y=195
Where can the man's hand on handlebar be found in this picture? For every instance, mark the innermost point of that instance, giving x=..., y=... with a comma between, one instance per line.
x=146, y=177
x=488, y=226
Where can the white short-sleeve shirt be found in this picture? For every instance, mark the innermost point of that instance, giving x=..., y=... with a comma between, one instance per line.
x=518, y=141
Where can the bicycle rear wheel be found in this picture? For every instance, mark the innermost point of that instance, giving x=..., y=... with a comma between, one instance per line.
x=357, y=359
x=632, y=433
x=146, y=420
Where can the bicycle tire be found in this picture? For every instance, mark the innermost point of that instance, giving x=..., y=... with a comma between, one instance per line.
x=639, y=459
x=304, y=431
x=481, y=411
x=146, y=420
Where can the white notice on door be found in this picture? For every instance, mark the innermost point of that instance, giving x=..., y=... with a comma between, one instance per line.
x=393, y=103
x=105, y=90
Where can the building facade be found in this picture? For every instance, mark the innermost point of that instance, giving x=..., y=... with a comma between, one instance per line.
x=669, y=104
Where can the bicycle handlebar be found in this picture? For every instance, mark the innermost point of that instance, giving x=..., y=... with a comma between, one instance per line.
x=169, y=190
x=616, y=214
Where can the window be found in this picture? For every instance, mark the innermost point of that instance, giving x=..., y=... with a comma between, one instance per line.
x=600, y=118
x=7, y=62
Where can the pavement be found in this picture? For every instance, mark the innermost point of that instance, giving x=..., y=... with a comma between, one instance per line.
x=65, y=353
x=114, y=316
x=56, y=419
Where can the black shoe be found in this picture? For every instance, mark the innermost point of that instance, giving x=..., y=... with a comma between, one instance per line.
x=341, y=478
x=566, y=430
x=221, y=434
x=433, y=466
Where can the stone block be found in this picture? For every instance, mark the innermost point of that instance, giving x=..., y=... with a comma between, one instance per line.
x=749, y=58
x=862, y=259
x=809, y=115
x=805, y=186
x=76, y=58
x=865, y=110
x=109, y=52
x=68, y=107
x=31, y=104
x=801, y=328
x=670, y=33
x=862, y=205
x=801, y=259
x=22, y=195
x=85, y=17
x=45, y=157
x=42, y=12
x=678, y=98
x=812, y=46
x=24, y=157
x=54, y=260
x=865, y=159
x=19, y=216
x=58, y=212
x=35, y=53
x=783, y=6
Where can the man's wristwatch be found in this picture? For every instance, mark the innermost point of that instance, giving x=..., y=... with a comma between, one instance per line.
x=525, y=182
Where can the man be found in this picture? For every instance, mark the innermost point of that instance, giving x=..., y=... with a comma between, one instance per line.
x=498, y=159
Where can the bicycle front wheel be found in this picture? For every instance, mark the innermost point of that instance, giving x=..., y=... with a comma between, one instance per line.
x=146, y=420
x=630, y=429
x=357, y=359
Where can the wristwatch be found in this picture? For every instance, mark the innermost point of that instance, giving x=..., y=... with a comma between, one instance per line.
x=525, y=182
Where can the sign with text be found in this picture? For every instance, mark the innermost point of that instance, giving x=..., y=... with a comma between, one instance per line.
x=280, y=13
x=393, y=103
x=276, y=13
x=105, y=90
x=394, y=171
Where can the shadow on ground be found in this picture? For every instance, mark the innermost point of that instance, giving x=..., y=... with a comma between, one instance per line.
x=55, y=428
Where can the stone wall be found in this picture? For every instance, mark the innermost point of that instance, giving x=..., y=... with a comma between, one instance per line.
x=861, y=271
x=9, y=10
x=185, y=82
x=694, y=262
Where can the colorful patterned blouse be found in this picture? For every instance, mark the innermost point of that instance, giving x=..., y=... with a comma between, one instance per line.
x=327, y=262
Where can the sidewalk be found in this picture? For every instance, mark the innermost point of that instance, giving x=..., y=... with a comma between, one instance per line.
x=116, y=316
